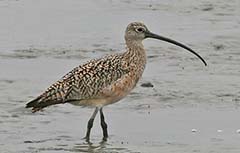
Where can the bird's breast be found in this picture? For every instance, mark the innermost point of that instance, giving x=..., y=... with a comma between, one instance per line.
x=121, y=87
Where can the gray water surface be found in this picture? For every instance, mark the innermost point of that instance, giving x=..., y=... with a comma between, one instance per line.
x=190, y=108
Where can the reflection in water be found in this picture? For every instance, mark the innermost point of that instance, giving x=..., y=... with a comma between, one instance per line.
x=103, y=146
x=88, y=147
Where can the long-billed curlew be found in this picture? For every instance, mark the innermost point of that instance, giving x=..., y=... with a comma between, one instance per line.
x=105, y=80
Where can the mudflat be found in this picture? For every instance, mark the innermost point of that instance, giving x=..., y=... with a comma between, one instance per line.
x=178, y=106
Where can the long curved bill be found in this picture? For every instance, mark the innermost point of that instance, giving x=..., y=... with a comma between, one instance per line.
x=149, y=34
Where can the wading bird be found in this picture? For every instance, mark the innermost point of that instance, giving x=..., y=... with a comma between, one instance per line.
x=103, y=81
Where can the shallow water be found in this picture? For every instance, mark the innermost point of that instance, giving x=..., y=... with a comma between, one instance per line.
x=190, y=108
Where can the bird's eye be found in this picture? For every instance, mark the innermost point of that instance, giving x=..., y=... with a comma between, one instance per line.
x=140, y=29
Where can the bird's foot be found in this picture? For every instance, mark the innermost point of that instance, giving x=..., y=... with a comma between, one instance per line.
x=87, y=139
x=104, y=138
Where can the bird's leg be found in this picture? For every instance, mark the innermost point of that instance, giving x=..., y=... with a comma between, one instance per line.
x=90, y=124
x=104, y=126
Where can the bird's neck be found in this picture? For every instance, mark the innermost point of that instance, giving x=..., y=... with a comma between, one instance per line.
x=135, y=59
x=136, y=52
x=135, y=43
x=135, y=47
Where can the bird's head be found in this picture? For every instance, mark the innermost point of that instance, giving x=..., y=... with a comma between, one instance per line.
x=137, y=32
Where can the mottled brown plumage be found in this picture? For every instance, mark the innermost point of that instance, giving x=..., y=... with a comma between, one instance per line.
x=98, y=82
x=105, y=80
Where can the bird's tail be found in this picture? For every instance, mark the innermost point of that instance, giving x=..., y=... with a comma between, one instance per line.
x=37, y=104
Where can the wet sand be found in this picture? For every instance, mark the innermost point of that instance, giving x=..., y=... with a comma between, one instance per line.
x=190, y=108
